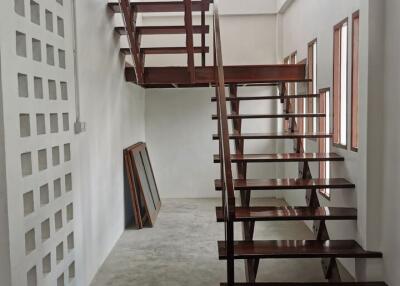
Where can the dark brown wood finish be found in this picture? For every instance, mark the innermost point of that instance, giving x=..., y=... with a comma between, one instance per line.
x=255, y=116
x=283, y=157
x=166, y=50
x=164, y=30
x=288, y=184
x=162, y=7
x=248, y=98
x=278, y=135
x=189, y=39
x=233, y=74
x=129, y=16
x=309, y=284
x=289, y=213
x=297, y=249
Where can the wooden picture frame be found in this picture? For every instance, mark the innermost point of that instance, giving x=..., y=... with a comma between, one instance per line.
x=146, y=200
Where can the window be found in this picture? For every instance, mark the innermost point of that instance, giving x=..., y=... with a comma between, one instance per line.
x=301, y=103
x=324, y=143
x=355, y=80
x=340, y=84
x=286, y=61
x=312, y=86
x=293, y=86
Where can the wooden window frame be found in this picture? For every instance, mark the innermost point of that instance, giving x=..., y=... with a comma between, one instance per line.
x=324, y=143
x=355, y=81
x=286, y=61
x=310, y=74
x=336, y=90
x=301, y=104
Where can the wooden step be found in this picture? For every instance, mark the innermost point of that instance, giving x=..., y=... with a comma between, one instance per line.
x=164, y=30
x=282, y=157
x=166, y=50
x=162, y=7
x=278, y=135
x=289, y=213
x=297, y=249
x=309, y=284
x=287, y=184
x=256, y=116
x=243, y=98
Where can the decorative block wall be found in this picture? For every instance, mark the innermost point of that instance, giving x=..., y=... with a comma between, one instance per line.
x=39, y=109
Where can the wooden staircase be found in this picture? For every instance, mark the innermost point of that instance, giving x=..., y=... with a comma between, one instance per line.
x=220, y=76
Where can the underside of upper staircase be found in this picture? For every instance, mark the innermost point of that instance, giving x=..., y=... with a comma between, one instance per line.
x=193, y=74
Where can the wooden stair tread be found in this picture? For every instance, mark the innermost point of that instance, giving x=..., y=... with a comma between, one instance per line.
x=164, y=30
x=255, y=116
x=309, y=284
x=160, y=6
x=289, y=213
x=282, y=157
x=241, y=98
x=276, y=135
x=166, y=50
x=297, y=249
x=287, y=184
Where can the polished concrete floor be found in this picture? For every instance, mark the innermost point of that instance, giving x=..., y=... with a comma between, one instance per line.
x=181, y=250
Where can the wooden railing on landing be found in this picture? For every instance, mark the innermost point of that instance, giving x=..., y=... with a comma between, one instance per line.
x=228, y=195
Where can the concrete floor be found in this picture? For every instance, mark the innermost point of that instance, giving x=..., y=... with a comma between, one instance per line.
x=181, y=250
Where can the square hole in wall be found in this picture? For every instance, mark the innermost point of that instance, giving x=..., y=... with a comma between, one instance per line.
x=20, y=44
x=71, y=271
x=70, y=241
x=58, y=221
x=60, y=26
x=42, y=159
x=57, y=188
x=46, y=264
x=49, y=20
x=55, y=151
x=45, y=229
x=50, y=54
x=68, y=182
x=70, y=212
x=52, y=89
x=65, y=121
x=44, y=195
x=36, y=50
x=30, y=242
x=67, y=152
x=64, y=90
x=26, y=164
x=24, y=125
x=60, y=252
x=19, y=7
x=31, y=277
x=60, y=280
x=22, y=85
x=38, y=87
x=61, y=2
x=40, y=124
x=61, y=58
x=53, y=122
x=29, y=203
x=35, y=12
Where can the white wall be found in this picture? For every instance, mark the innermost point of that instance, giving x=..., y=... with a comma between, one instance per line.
x=114, y=113
x=391, y=140
x=178, y=121
x=5, y=271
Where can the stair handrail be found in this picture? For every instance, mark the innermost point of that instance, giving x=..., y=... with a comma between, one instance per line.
x=227, y=186
x=129, y=16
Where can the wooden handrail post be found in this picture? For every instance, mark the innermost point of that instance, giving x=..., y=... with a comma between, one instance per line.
x=189, y=39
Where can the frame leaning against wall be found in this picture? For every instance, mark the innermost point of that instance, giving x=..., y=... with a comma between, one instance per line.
x=146, y=202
